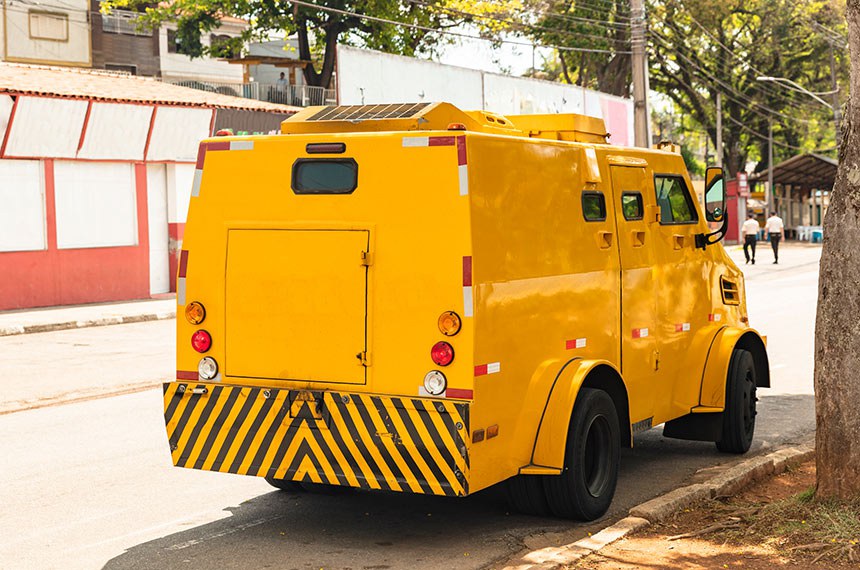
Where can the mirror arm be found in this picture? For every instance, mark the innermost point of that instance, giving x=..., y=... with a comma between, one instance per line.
x=704, y=240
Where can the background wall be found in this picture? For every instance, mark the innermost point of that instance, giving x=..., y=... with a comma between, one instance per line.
x=367, y=77
x=20, y=46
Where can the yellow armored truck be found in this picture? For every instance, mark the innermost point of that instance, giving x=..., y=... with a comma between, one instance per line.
x=419, y=299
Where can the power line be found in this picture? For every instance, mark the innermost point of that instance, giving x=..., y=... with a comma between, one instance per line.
x=448, y=32
x=726, y=88
x=512, y=22
x=776, y=142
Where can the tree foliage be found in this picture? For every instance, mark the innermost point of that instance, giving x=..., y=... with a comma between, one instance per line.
x=318, y=29
x=700, y=47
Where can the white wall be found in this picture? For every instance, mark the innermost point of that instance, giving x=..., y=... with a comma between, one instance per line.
x=156, y=205
x=46, y=127
x=179, y=66
x=95, y=204
x=22, y=206
x=20, y=46
x=179, y=179
x=367, y=77
x=116, y=131
x=177, y=132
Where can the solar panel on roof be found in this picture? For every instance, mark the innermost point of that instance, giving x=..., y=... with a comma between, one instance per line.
x=365, y=112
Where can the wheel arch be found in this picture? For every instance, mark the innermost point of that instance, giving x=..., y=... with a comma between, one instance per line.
x=551, y=437
x=713, y=391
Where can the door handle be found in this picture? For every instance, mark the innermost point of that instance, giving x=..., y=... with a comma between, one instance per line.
x=604, y=240
x=637, y=237
x=678, y=240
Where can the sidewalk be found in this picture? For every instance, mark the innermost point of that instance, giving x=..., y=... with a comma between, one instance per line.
x=80, y=316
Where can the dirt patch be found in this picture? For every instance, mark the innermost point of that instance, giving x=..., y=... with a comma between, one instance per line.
x=774, y=524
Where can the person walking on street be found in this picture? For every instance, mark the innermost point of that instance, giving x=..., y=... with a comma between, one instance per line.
x=775, y=232
x=750, y=232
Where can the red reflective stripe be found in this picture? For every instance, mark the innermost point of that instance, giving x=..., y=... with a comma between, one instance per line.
x=183, y=263
x=461, y=151
x=458, y=393
x=440, y=141
x=481, y=370
x=201, y=156
x=218, y=145
x=186, y=375
x=637, y=333
x=467, y=271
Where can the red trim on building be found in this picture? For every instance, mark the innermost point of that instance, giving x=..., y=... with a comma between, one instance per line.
x=149, y=132
x=84, y=126
x=9, y=127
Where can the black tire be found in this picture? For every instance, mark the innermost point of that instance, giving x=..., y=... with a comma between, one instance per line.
x=585, y=488
x=325, y=488
x=740, y=412
x=285, y=485
x=526, y=495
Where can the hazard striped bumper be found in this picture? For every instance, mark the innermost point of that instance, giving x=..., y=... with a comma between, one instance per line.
x=357, y=440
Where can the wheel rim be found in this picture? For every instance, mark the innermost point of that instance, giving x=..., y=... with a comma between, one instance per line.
x=596, y=464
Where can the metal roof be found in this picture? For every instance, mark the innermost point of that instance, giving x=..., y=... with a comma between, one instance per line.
x=98, y=85
x=811, y=171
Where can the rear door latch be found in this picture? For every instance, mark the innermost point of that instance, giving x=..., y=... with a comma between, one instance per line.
x=366, y=258
x=363, y=357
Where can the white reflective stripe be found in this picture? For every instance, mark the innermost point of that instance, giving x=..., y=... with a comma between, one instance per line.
x=494, y=367
x=718, y=317
x=463, y=173
x=180, y=291
x=467, y=301
x=685, y=327
x=195, y=185
x=241, y=145
x=580, y=343
x=643, y=333
x=416, y=141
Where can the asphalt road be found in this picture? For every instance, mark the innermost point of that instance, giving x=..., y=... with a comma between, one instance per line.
x=89, y=484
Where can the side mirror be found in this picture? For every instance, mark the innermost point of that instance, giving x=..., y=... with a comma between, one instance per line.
x=715, y=194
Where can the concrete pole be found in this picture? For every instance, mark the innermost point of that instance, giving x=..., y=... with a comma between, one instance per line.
x=719, y=150
x=770, y=188
x=640, y=74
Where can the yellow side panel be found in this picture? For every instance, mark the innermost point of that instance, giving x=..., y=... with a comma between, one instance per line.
x=296, y=304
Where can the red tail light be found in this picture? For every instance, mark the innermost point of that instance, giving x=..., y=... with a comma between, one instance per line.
x=442, y=353
x=201, y=341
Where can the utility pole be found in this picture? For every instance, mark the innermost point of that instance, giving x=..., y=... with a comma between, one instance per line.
x=719, y=151
x=837, y=108
x=640, y=74
x=770, y=190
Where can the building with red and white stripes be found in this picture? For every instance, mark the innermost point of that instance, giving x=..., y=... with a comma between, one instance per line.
x=96, y=171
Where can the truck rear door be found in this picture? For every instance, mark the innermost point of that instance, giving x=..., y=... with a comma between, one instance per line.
x=297, y=304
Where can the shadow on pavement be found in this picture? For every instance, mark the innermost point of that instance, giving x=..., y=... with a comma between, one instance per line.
x=367, y=530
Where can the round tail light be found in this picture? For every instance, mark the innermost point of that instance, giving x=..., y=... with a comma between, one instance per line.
x=449, y=323
x=442, y=353
x=435, y=383
x=207, y=368
x=195, y=313
x=201, y=341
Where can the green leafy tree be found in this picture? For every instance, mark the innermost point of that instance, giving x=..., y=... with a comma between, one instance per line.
x=319, y=26
x=700, y=47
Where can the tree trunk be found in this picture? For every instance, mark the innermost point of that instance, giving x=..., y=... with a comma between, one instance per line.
x=837, y=327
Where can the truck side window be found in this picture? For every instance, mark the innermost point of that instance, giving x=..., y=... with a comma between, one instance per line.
x=673, y=197
x=593, y=206
x=631, y=205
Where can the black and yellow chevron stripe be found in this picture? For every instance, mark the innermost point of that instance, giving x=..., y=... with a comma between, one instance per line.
x=357, y=440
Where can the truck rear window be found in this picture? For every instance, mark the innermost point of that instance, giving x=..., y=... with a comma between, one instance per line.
x=325, y=176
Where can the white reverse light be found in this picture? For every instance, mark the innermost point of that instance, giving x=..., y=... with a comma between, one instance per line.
x=208, y=368
x=435, y=383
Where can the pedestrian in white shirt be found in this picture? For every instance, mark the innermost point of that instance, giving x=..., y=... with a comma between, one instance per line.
x=775, y=232
x=750, y=232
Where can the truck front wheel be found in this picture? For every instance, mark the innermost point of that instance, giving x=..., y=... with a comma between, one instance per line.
x=740, y=412
x=585, y=488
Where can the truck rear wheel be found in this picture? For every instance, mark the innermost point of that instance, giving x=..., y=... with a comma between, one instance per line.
x=740, y=412
x=526, y=495
x=285, y=485
x=585, y=488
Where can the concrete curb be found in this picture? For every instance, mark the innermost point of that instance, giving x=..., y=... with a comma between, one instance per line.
x=725, y=484
x=48, y=327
